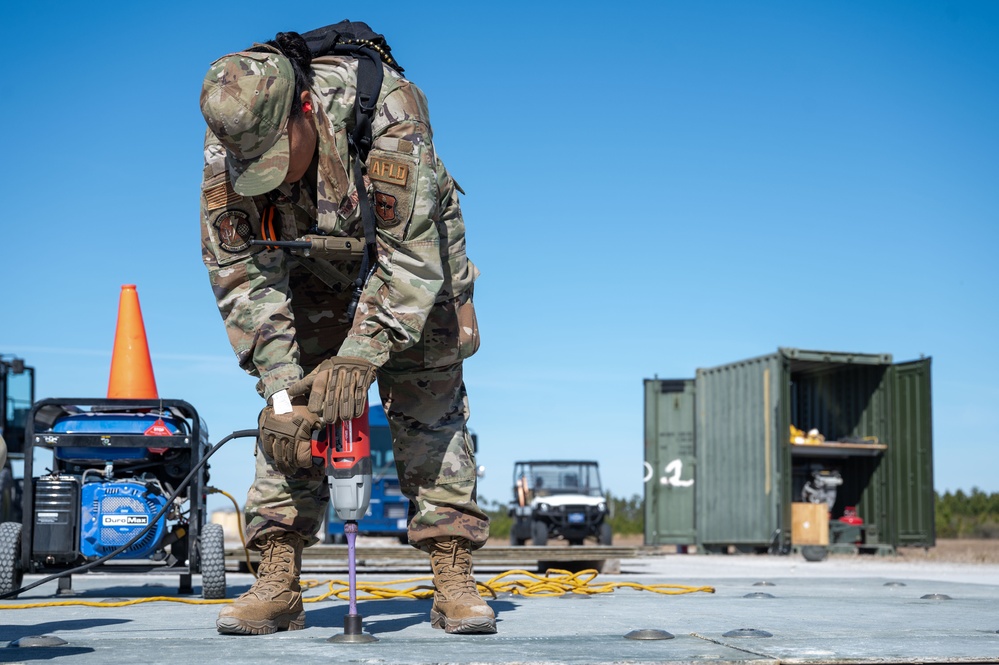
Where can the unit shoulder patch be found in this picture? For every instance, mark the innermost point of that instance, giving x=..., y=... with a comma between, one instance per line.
x=385, y=208
x=234, y=231
x=385, y=170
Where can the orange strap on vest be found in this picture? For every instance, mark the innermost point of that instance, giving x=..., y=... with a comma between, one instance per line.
x=267, y=220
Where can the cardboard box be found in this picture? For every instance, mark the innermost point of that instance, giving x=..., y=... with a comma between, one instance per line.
x=809, y=524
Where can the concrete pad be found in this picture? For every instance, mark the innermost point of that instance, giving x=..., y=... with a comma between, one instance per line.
x=842, y=610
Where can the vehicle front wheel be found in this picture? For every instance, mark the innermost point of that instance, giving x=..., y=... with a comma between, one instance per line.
x=539, y=533
x=606, y=535
x=520, y=531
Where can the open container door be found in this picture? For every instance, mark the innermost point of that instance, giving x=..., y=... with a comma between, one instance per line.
x=739, y=472
x=911, y=455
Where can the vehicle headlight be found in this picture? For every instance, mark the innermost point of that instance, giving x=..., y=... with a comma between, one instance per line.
x=602, y=507
x=544, y=507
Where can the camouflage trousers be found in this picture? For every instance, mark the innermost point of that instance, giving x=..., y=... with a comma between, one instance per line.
x=423, y=394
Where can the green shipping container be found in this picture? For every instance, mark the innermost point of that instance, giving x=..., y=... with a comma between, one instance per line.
x=721, y=469
x=669, y=462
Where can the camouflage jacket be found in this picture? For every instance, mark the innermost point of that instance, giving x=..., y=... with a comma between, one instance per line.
x=420, y=235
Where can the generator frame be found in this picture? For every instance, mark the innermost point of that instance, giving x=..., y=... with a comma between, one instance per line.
x=196, y=441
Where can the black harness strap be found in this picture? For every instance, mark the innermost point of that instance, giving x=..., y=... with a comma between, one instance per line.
x=357, y=40
x=369, y=84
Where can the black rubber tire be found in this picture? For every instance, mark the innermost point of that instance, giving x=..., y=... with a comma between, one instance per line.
x=539, y=533
x=10, y=557
x=606, y=535
x=520, y=531
x=814, y=552
x=211, y=546
x=8, y=494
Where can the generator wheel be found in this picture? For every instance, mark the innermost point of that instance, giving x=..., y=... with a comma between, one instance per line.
x=539, y=533
x=10, y=557
x=211, y=547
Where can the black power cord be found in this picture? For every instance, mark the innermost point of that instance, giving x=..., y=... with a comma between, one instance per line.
x=238, y=434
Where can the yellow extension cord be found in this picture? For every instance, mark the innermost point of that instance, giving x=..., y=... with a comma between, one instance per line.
x=554, y=583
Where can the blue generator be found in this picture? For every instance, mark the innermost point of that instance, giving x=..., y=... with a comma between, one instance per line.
x=127, y=489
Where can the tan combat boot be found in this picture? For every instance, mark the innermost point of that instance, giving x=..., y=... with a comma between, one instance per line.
x=457, y=607
x=274, y=602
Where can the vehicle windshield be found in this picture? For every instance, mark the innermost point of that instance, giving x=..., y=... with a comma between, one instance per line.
x=562, y=478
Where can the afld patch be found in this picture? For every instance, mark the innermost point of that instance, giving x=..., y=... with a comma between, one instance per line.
x=234, y=231
x=385, y=208
x=394, y=173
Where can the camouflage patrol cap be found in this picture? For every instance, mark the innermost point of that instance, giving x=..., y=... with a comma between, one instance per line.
x=246, y=99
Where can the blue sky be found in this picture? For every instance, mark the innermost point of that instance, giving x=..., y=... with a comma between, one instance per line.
x=651, y=188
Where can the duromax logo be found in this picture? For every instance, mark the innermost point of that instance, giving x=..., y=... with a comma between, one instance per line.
x=124, y=520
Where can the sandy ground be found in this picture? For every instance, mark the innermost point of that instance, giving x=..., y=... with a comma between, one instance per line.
x=955, y=551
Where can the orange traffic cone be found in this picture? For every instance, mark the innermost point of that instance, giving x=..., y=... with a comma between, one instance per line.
x=131, y=368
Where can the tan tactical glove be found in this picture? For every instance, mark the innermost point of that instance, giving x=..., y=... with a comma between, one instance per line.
x=287, y=437
x=339, y=388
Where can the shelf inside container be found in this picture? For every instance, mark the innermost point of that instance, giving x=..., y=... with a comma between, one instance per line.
x=838, y=449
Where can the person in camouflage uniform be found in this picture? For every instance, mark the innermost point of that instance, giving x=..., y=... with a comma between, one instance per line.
x=278, y=167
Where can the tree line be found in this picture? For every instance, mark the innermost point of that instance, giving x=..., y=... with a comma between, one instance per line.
x=973, y=515
x=958, y=515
